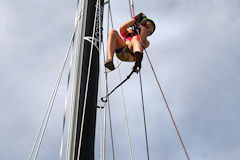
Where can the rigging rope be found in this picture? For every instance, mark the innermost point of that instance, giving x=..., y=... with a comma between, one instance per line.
x=104, y=99
x=140, y=81
x=100, y=91
x=109, y=115
x=106, y=85
x=70, y=123
x=125, y=113
x=65, y=108
x=42, y=128
x=124, y=104
x=78, y=16
x=144, y=115
x=100, y=111
x=168, y=108
x=129, y=1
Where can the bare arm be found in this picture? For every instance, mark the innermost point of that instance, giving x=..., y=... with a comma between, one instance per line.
x=124, y=26
x=146, y=43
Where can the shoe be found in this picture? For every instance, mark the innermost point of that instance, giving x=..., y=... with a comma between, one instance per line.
x=139, y=57
x=109, y=64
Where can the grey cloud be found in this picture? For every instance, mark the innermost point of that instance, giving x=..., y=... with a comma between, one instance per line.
x=195, y=54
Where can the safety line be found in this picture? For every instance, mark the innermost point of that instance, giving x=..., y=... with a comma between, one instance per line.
x=144, y=115
x=109, y=115
x=125, y=113
x=123, y=99
x=133, y=10
x=140, y=79
x=130, y=8
x=168, y=108
x=104, y=99
x=106, y=84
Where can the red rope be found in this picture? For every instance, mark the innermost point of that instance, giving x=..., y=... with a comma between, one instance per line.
x=165, y=101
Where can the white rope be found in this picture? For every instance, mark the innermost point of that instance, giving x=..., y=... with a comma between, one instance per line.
x=130, y=7
x=101, y=134
x=73, y=86
x=110, y=119
x=108, y=103
x=100, y=107
x=144, y=117
x=100, y=82
x=87, y=83
x=78, y=17
x=50, y=105
x=65, y=107
x=123, y=100
x=125, y=113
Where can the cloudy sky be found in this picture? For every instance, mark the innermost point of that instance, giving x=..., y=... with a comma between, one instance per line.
x=195, y=54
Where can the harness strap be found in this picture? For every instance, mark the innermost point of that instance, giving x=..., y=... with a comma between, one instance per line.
x=134, y=31
x=104, y=99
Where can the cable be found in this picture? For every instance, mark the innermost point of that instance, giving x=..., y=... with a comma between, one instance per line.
x=125, y=111
x=100, y=89
x=168, y=108
x=133, y=10
x=124, y=104
x=144, y=117
x=145, y=125
x=109, y=115
x=50, y=105
x=78, y=16
x=130, y=8
x=108, y=103
x=65, y=107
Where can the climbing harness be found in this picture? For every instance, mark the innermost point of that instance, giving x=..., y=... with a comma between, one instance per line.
x=104, y=99
x=132, y=31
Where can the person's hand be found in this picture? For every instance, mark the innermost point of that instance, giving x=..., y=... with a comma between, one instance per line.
x=144, y=21
x=141, y=18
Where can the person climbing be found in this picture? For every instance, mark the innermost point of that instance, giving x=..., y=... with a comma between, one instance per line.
x=128, y=46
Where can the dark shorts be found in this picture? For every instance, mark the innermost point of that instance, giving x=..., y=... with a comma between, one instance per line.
x=124, y=54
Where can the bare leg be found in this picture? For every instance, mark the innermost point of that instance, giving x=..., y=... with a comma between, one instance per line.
x=114, y=42
x=135, y=45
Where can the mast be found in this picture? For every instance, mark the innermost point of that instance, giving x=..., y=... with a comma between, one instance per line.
x=85, y=82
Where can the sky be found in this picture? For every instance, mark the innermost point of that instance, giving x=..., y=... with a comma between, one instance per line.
x=195, y=54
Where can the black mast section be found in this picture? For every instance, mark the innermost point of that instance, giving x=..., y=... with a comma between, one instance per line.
x=88, y=135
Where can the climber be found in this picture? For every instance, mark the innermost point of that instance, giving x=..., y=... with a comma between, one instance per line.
x=128, y=46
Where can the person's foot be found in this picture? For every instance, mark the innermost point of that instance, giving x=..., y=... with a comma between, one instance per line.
x=109, y=64
x=139, y=57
